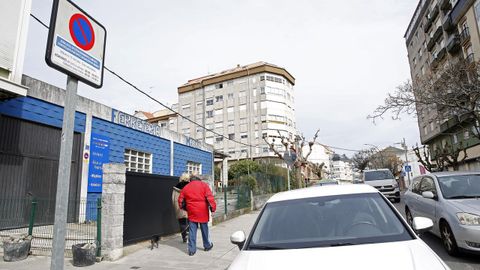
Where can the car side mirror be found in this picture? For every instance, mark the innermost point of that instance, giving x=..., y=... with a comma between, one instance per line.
x=428, y=195
x=422, y=224
x=238, y=238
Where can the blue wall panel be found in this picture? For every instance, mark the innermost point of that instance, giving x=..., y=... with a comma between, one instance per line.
x=123, y=137
x=182, y=154
x=39, y=111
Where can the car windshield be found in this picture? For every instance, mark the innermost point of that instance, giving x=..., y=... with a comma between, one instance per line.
x=327, y=221
x=378, y=175
x=460, y=186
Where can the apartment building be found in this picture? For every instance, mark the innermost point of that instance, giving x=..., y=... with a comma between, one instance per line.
x=441, y=32
x=244, y=104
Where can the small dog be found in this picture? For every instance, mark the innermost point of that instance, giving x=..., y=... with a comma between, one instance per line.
x=154, y=241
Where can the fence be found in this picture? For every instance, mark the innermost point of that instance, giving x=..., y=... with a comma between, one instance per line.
x=237, y=195
x=35, y=216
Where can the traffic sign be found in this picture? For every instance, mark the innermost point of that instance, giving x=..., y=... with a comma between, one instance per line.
x=289, y=156
x=81, y=31
x=408, y=168
x=76, y=43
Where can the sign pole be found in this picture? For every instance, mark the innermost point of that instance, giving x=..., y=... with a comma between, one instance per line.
x=288, y=177
x=63, y=182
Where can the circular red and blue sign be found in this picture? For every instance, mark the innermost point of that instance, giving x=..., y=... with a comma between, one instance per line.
x=81, y=31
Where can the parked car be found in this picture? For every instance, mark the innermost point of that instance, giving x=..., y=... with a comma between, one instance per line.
x=384, y=181
x=327, y=183
x=452, y=201
x=333, y=227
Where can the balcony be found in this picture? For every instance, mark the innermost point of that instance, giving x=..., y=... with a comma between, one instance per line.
x=441, y=54
x=445, y=5
x=438, y=33
x=427, y=25
x=453, y=44
x=430, y=44
x=465, y=35
x=448, y=25
x=433, y=14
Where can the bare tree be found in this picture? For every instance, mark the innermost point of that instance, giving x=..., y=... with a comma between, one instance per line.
x=317, y=169
x=450, y=93
x=296, y=146
x=361, y=159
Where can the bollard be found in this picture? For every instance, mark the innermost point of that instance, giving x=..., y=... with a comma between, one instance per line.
x=32, y=216
x=99, y=227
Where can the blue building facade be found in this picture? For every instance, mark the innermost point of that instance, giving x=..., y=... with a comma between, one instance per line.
x=107, y=135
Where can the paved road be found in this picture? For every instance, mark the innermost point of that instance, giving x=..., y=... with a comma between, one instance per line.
x=464, y=262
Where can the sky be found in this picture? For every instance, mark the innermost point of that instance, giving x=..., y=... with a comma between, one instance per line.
x=345, y=56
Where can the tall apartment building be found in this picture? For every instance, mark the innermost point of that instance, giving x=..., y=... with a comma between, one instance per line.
x=244, y=104
x=441, y=32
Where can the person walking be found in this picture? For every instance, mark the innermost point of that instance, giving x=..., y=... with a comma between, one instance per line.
x=180, y=213
x=198, y=199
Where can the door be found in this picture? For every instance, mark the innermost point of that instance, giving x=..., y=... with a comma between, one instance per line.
x=426, y=207
x=29, y=154
x=412, y=196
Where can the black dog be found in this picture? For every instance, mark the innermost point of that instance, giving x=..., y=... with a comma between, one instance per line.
x=154, y=241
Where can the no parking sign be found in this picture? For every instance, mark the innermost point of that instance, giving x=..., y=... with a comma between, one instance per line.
x=76, y=43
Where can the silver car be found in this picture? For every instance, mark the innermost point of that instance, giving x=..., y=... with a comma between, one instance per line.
x=452, y=201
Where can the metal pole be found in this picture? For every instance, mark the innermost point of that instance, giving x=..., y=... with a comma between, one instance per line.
x=406, y=161
x=99, y=227
x=288, y=177
x=63, y=182
x=32, y=216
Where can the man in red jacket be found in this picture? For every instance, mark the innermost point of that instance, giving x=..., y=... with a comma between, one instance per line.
x=198, y=198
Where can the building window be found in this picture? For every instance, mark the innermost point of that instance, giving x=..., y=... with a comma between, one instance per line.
x=219, y=98
x=243, y=135
x=231, y=123
x=243, y=107
x=219, y=86
x=266, y=149
x=230, y=110
x=242, y=94
x=231, y=136
x=219, y=139
x=194, y=168
x=254, y=91
x=137, y=161
x=209, y=114
x=230, y=95
x=199, y=103
x=219, y=112
x=209, y=102
x=262, y=78
x=219, y=125
x=262, y=90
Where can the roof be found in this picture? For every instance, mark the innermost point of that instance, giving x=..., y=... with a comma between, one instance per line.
x=320, y=191
x=147, y=114
x=234, y=73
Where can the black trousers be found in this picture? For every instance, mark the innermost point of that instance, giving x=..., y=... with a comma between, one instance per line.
x=183, y=222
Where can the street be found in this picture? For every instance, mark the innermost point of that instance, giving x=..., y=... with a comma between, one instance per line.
x=464, y=262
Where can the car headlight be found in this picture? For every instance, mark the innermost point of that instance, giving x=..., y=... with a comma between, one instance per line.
x=468, y=219
x=395, y=185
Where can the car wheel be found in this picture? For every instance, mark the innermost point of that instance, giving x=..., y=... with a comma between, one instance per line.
x=448, y=239
x=409, y=217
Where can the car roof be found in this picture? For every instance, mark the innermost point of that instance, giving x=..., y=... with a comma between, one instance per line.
x=321, y=191
x=373, y=170
x=440, y=174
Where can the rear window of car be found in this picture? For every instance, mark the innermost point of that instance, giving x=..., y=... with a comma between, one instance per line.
x=378, y=175
x=327, y=221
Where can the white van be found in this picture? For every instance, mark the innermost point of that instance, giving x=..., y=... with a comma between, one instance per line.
x=384, y=181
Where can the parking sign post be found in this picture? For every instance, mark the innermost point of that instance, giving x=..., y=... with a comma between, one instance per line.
x=76, y=47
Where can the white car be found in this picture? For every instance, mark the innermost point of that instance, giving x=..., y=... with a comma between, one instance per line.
x=334, y=227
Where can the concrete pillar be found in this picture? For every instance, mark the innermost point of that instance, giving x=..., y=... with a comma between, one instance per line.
x=113, y=202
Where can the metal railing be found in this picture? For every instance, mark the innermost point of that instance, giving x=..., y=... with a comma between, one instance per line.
x=34, y=216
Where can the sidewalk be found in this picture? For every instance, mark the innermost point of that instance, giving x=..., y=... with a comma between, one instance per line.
x=170, y=254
